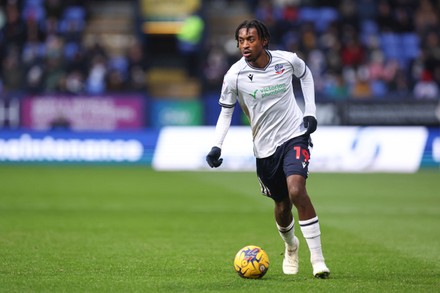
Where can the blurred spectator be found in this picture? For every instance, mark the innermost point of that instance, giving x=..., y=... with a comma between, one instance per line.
x=12, y=70
x=34, y=78
x=404, y=22
x=96, y=83
x=381, y=70
x=74, y=82
x=215, y=68
x=366, y=9
x=272, y=16
x=335, y=87
x=349, y=13
x=308, y=40
x=289, y=11
x=426, y=88
x=190, y=39
x=400, y=85
x=54, y=8
x=14, y=30
x=54, y=63
x=115, y=81
x=136, y=68
x=431, y=54
x=384, y=16
x=361, y=87
x=426, y=16
x=50, y=26
x=96, y=59
x=34, y=34
x=353, y=53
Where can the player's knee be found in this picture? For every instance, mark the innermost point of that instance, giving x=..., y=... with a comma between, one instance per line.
x=283, y=207
x=294, y=192
x=297, y=187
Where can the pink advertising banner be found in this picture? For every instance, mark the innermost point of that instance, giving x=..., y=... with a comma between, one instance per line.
x=83, y=112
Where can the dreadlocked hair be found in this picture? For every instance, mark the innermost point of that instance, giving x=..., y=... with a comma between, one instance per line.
x=262, y=31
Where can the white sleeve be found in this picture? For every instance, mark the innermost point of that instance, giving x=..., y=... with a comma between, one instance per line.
x=223, y=124
x=308, y=90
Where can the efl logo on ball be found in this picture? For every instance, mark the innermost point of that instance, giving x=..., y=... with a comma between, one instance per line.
x=251, y=262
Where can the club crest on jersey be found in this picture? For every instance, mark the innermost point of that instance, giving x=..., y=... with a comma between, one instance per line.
x=279, y=68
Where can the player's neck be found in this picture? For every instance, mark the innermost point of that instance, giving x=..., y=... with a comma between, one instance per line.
x=261, y=61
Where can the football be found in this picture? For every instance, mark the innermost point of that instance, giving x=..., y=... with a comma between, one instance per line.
x=251, y=262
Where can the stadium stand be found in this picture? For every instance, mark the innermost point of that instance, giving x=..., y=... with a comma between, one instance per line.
x=357, y=50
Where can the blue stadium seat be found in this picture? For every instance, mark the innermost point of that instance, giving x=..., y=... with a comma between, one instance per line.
x=410, y=45
x=73, y=19
x=390, y=45
x=326, y=15
x=70, y=49
x=307, y=14
x=74, y=13
x=34, y=10
x=369, y=26
x=368, y=29
x=32, y=51
x=33, y=3
x=378, y=88
x=119, y=63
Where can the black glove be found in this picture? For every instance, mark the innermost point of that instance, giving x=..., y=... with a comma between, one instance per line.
x=310, y=123
x=213, y=157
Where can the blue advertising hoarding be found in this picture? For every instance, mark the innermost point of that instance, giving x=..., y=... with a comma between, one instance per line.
x=133, y=147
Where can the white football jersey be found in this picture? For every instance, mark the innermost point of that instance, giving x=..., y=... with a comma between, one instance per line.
x=266, y=97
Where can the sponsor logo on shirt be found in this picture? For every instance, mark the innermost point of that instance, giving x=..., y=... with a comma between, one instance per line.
x=269, y=91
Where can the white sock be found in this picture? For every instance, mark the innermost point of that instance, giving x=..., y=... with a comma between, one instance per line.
x=312, y=233
x=288, y=234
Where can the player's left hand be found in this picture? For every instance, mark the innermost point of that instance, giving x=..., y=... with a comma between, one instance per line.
x=310, y=123
x=213, y=157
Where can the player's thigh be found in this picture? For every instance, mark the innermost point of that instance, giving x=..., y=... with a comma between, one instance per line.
x=296, y=157
x=272, y=179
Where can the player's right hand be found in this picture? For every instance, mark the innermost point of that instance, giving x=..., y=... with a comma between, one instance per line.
x=310, y=124
x=213, y=157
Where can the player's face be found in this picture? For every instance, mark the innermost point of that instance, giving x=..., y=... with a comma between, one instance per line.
x=250, y=45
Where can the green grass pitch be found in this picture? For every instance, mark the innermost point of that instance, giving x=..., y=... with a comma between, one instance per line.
x=131, y=229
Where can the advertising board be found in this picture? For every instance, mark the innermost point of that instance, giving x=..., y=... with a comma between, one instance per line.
x=336, y=149
x=133, y=147
x=83, y=113
x=184, y=148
